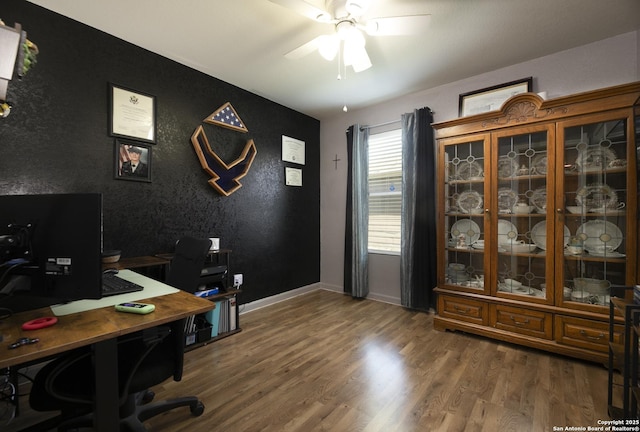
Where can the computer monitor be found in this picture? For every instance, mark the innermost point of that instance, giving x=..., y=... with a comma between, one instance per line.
x=50, y=249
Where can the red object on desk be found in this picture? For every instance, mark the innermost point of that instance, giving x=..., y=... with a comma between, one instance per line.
x=39, y=323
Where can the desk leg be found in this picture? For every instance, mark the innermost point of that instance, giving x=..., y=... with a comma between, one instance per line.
x=105, y=361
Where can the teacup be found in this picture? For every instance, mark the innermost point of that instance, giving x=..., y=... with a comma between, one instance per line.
x=574, y=250
x=522, y=209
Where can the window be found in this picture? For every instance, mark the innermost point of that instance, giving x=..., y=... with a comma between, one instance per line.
x=385, y=191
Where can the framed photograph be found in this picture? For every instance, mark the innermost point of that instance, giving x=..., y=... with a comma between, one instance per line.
x=491, y=98
x=132, y=161
x=132, y=114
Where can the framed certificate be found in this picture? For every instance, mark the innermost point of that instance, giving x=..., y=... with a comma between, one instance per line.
x=132, y=114
x=293, y=176
x=292, y=150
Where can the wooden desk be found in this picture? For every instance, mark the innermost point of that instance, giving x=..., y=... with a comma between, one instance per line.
x=99, y=328
x=138, y=262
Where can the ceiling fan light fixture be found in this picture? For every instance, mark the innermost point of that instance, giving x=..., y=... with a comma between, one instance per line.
x=372, y=27
x=355, y=55
x=361, y=63
x=328, y=46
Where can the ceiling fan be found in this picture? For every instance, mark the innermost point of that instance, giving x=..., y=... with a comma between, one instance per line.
x=350, y=21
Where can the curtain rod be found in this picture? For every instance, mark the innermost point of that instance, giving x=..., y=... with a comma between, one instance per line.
x=386, y=123
x=380, y=124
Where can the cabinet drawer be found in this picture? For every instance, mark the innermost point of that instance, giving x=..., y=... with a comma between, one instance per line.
x=462, y=309
x=523, y=321
x=584, y=333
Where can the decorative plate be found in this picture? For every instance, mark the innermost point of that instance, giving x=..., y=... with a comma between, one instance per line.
x=506, y=231
x=596, y=196
x=598, y=233
x=467, y=170
x=469, y=200
x=539, y=164
x=595, y=158
x=538, y=199
x=539, y=235
x=507, y=198
x=507, y=167
x=612, y=254
x=468, y=228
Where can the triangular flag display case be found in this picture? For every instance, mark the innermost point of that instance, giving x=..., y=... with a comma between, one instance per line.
x=227, y=117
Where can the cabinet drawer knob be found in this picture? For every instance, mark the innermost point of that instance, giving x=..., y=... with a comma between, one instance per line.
x=588, y=336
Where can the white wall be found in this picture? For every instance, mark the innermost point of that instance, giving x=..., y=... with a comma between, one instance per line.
x=602, y=64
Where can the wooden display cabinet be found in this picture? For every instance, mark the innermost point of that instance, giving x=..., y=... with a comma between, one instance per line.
x=538, y=218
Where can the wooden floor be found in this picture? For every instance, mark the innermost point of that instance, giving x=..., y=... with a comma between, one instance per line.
x=325, y=362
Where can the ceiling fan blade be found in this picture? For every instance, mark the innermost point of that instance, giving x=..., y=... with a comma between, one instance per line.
x=304, y=50
x=397, y=26
x=357, y=8
x=305, y=9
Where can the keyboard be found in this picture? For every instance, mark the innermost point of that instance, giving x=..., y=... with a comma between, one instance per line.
x=114, y=285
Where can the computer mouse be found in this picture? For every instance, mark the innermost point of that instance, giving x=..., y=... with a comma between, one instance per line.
x=111, y=271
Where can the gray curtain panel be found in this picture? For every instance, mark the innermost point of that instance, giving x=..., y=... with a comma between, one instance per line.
x=418, y=230
x=356, y=245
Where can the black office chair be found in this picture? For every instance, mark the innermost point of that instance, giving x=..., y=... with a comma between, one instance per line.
x=145, y=359
x=187, y=263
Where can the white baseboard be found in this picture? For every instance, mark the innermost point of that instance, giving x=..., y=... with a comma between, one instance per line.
x=384, y=298
x=372, y=296
x=258, y=304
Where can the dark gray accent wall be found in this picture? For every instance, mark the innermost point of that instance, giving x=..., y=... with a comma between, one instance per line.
x=56, y=140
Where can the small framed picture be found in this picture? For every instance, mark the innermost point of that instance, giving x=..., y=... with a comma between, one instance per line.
x=132, y=161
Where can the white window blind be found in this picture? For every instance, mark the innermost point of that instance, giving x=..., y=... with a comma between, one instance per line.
x=385, y=191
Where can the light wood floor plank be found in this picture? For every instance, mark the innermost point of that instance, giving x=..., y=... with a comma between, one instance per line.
x=325, y=362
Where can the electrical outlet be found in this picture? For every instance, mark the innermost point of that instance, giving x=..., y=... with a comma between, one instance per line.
x=237, y=280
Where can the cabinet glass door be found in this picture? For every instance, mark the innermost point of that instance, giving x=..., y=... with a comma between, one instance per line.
x=464, y=208
x=521, y=232
x=596, y=209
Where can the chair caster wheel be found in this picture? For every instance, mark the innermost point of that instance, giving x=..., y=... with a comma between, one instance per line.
x=197, y=410
x=148, y=396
